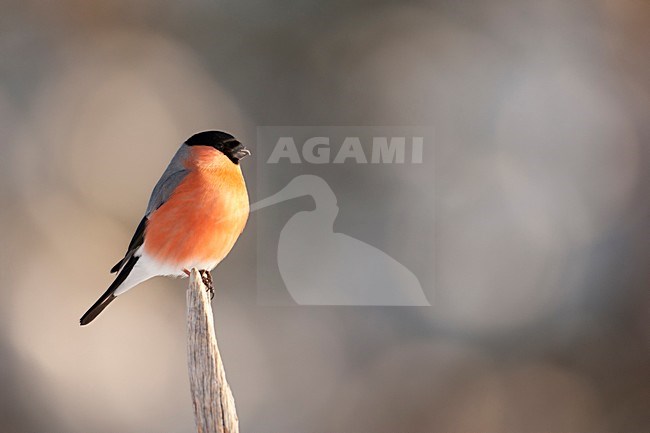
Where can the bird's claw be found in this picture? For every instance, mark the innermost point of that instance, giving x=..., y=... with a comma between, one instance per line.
x=207, y=280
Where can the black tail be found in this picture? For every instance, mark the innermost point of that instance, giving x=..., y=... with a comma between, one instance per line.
x=97, y=308
x=108, y=295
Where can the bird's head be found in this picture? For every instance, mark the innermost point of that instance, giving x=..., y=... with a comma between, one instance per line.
x=222, y=141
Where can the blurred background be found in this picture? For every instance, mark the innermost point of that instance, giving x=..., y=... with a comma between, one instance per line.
x=540, y=320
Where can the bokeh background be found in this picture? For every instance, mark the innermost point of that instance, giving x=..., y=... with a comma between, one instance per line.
x=540, y=321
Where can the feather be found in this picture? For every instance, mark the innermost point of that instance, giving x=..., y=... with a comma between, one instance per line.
x=109, y=295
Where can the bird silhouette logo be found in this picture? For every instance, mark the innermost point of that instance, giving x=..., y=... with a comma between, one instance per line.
x=322, y=267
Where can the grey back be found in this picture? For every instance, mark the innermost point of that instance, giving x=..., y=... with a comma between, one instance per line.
x=171, y=177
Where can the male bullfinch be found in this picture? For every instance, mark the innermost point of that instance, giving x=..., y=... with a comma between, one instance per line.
x=196, y=212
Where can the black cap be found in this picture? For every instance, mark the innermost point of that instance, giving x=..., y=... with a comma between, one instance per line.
x=222, y=141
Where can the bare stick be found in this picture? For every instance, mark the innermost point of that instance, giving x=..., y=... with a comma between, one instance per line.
x=214, y=406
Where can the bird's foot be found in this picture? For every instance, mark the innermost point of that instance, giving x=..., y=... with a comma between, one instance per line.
x=207, y=280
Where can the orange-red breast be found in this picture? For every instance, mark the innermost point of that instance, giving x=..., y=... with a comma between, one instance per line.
x=196, y=212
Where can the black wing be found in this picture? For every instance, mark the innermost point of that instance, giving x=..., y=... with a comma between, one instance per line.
x=136, y=242
x=165, y=187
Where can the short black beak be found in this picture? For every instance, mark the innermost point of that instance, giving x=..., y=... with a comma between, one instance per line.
x=240, y=152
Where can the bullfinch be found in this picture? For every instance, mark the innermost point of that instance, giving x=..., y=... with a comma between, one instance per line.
x=196, y=212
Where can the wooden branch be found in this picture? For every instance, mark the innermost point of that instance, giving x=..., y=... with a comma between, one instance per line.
x=214, y=406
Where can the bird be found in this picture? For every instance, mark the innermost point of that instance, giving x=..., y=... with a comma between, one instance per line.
x=195, y=214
